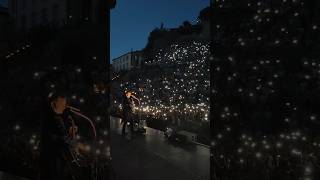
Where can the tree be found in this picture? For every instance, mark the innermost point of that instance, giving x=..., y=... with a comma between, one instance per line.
x=187, y=24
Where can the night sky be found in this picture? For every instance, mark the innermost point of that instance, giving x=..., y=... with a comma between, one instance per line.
x=132, y=21
x=3, y=2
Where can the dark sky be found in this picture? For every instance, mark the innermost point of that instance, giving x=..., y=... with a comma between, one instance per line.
x=133, y=20
x=3, y=2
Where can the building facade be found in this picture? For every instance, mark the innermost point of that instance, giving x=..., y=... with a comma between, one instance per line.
x=128, y=61
x=30, y=13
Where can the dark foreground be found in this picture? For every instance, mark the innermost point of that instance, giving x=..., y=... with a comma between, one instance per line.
x=4, y=176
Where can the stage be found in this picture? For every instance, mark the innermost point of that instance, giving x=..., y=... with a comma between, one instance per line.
x=153, y=157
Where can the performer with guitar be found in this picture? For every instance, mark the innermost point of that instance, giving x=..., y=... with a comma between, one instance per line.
x=58, y=151
x=56, y=140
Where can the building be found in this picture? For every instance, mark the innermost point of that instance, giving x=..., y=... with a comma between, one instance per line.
x=30, y=13
x=128, y=61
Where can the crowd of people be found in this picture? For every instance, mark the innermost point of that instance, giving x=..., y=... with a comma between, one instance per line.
x=173, y=85
x=265, y=81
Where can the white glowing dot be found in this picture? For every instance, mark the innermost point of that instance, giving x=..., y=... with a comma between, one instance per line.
x=313, y=118
x=17, y=127
x=98, y=151
x=213, y=143
x=258, y=155
x=279, y=144
x=87, y=148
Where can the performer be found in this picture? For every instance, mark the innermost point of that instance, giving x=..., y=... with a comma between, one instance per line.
x=127, y=105
x=55, y=140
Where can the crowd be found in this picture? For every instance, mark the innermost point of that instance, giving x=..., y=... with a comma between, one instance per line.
x=173, y=86
x=265, y=81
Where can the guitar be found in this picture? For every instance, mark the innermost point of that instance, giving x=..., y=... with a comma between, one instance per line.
x=70, y=154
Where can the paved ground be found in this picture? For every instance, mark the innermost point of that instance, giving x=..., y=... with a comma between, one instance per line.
x=151, y=157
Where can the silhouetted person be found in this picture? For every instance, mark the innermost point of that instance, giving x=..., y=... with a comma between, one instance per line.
x=55, y=141
x=127, y=105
